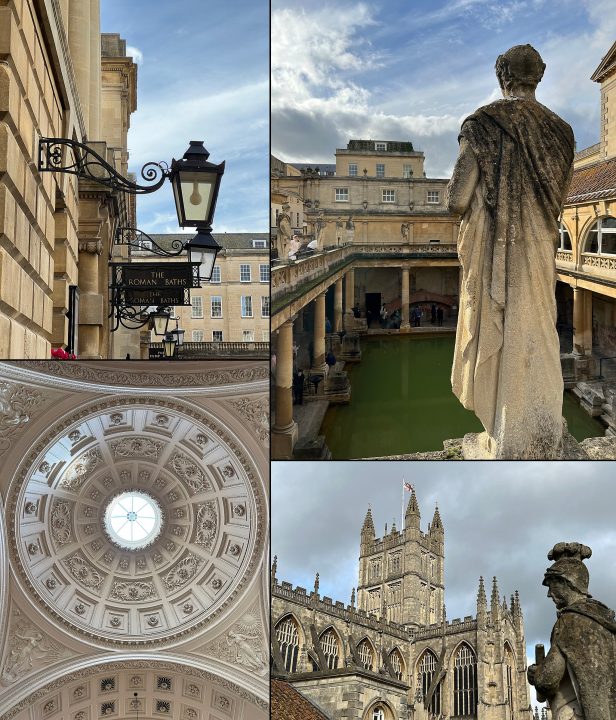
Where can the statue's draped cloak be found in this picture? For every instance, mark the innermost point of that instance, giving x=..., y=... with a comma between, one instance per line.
x=585, y=635
x=507, y=359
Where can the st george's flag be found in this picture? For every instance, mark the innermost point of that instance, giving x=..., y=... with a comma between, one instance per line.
x=408, y=486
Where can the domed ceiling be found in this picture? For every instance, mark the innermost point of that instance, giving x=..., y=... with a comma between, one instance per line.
x=133, y=536
x=171, y=466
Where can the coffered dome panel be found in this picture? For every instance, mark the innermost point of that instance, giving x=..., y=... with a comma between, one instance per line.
x=184, y=471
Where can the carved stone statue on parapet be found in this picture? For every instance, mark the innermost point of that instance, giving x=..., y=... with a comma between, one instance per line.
x=578, y=675
x=509, y=185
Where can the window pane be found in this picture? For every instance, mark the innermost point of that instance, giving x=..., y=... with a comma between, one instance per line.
x=216, y=274
x=216, y=306
x=246, y=306
x=265, y=306
x=592, y=245
x=197, y=306
x=608, y=222
x=216, y=335
x=244, y=273
x=264, y=273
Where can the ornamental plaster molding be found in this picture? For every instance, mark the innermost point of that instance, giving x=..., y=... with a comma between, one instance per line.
x=82, y=376
x=214, y=535
x=256, y=412
x=18, y=404
x=243, y=644
x=136, y=667
x=29, y=649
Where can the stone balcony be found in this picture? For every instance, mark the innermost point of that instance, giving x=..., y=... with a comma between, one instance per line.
x=293, y=279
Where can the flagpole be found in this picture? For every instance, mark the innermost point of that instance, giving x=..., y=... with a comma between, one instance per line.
x=402, y=507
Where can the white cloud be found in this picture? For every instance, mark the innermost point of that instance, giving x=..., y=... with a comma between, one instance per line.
x=135, y=53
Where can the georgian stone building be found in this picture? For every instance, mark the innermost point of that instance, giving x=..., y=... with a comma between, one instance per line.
x=133, y=540
x=383, y=237
x=59, y=78
x=232, y=310
x=586, y=257
x=391, y=654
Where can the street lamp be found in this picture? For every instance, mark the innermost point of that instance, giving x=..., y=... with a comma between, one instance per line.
x=195, y=184
x=203, y=249
x=160, y=321
x=169, y=344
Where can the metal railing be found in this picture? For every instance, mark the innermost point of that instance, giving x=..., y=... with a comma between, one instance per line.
x=205, y=350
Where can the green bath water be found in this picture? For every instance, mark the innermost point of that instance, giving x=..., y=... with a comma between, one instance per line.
x=402, y=402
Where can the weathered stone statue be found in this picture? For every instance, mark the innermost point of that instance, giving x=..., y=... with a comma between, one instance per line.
x=509, y=185
x=578, y=675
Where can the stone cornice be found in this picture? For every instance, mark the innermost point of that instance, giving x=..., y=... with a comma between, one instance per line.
x=139, y=378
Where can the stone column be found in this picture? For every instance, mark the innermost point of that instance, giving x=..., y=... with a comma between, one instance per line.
x=338, y=306
x=349, y=296
x=94, y=129
x=284, y=432
x=404, y=308
x=318, y=362
x=582, y=321
x=79, y=45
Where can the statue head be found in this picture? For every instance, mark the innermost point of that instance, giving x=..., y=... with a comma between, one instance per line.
x=519, y=70
x=567, y=578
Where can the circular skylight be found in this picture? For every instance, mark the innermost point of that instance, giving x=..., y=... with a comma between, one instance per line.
x=133, y=520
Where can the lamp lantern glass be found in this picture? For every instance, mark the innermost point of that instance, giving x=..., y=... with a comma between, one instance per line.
x=160, y=321
x=179, y=336
x=195, y=184
x=203, y=249
x=169, y=344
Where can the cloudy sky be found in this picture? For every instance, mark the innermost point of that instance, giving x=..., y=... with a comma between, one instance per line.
x=499, y=519
x=412, y=70
x=203, y=75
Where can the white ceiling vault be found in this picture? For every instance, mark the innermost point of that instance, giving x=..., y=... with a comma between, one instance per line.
x=98, y=623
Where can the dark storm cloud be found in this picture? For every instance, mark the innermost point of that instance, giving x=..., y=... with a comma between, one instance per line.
x=500, y=519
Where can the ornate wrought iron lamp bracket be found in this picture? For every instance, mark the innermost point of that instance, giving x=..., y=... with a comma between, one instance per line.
x=139, y=240
x=75, y=158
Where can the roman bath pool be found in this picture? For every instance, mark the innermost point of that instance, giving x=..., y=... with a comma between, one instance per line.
x=402, y=401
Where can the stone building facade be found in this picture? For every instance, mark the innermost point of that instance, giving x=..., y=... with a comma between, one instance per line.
x=586, y=256
x=59, y=78
x=234, y=307
x=391, y=654
x=382, y=236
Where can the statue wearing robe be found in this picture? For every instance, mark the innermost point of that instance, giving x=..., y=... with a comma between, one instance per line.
x=509, y=185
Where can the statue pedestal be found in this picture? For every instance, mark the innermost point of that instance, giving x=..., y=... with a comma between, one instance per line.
x=480, y=446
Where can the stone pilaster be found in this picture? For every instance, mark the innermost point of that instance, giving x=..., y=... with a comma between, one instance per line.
x=284, y=432
x=94, y=129
x=318, y=362
x=582, y=321
x=349, y=296
x=404, y=308
x=338, y=305
x=79, y=35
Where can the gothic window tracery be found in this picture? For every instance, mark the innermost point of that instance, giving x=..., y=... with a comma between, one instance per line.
x=509, y=669
x=426, y=669
x=465, y=682
x=331, y=648
x=397, y=663
x=395, y=602
x=288, y=639
x=366, y=656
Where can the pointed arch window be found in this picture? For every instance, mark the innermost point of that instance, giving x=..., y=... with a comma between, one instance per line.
x=601, y=237
x=331, y=648
x=509, y=669
x=465, y=683
x=378, y=713
x=288, y=639
x=425, y=674
x=397, y=663
x=366, y=656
